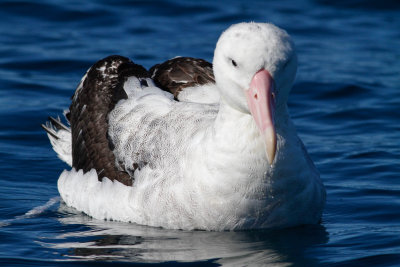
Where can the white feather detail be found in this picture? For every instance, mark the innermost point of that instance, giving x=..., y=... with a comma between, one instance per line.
x=62, y=145
x=205, y=94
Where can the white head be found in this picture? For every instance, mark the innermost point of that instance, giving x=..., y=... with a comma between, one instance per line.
x=255, y=65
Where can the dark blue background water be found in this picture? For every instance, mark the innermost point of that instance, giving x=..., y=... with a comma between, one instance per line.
x=345, y=103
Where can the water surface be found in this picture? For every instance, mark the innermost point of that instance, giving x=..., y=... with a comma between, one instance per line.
x=345, y=104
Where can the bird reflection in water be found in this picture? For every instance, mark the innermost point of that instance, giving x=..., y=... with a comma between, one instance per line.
x=91, y=239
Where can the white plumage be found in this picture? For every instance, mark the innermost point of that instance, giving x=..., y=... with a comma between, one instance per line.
x=205, y=166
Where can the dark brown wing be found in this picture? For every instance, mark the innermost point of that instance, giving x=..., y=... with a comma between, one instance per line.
x=178, y=73
x=95, y=97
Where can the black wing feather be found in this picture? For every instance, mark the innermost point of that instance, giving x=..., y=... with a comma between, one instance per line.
x=100, y=91
x=176, y=74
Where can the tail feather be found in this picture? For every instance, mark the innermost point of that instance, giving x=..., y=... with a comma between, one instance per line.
x=58, y=124
x=60, y=138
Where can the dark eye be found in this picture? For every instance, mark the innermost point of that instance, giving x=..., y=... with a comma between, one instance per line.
x=234, y=63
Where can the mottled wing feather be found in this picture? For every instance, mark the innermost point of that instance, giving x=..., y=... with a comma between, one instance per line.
x=178, y=73
x=95, y=97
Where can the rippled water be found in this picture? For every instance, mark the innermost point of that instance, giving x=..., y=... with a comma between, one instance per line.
x=345, y=105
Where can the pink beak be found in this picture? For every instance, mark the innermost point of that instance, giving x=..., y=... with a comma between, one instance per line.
x=261, y=102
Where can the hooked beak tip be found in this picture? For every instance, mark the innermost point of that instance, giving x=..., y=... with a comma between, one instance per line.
x=270, y=142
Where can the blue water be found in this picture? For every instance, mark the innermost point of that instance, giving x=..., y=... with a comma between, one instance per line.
x=345, y=104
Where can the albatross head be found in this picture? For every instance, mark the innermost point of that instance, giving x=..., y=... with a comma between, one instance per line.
x=255, y=65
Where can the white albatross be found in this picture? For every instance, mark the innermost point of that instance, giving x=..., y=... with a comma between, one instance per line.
x=231, y=160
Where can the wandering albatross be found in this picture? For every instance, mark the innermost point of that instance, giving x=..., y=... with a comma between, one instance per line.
x=190, y=144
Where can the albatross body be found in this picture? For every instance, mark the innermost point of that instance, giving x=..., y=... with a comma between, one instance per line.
x=190, y=145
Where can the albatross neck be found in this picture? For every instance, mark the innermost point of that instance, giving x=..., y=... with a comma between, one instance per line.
x=237, y=130
x=234, y=129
